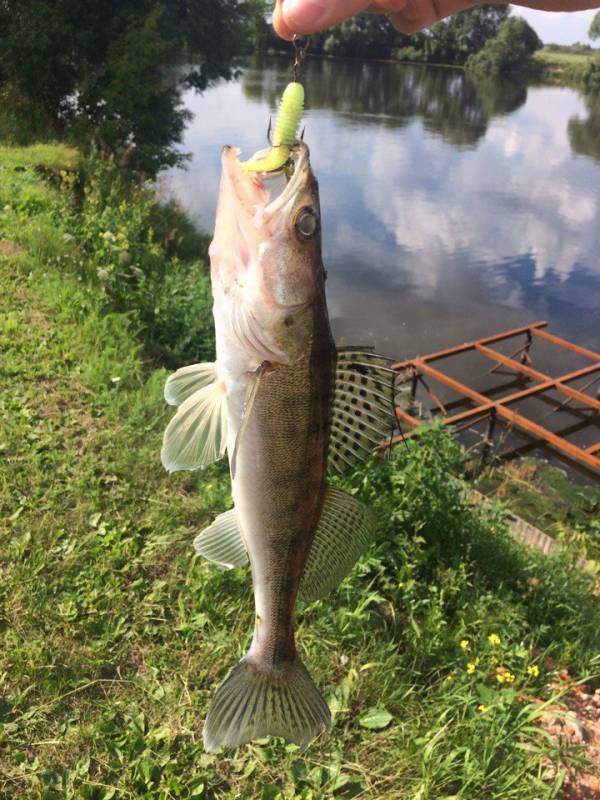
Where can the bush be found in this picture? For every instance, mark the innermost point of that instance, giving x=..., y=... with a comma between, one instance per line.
x=591, y=76
x=149, y=260
x=510, y=51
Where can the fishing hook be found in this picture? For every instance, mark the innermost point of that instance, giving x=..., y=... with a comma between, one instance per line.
x=300, y=45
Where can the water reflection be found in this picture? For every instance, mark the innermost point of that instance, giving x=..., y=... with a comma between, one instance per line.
x=451, y=208
x=453, y=105
x=584, y=134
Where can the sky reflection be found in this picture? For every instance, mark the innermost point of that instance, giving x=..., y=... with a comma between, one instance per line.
x=450, y=209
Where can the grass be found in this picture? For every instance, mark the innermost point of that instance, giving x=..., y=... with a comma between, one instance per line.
x=544, y=496
x=52, y=157
x=563, y=59
x=564, y=68
x=114, y=635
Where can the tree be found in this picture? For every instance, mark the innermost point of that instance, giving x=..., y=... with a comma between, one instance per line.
x=99, y=66
x=594, y=31
x=453, y=40
x=510, y=51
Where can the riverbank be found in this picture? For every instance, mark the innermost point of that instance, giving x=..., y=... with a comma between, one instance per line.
x=563, y=69
x=556, y=68
x=435, y=654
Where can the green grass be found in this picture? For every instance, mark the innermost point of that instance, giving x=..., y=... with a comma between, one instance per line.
x=52, y=156
x=563, y=59
x=564, y=68
x=544, y=496
x=114, y=635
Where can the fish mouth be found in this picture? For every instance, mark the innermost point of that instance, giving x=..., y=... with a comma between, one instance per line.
x=253, y=197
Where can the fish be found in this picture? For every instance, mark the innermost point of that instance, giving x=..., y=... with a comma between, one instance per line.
x=289, y=409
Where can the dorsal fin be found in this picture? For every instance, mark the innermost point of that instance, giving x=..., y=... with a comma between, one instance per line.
x=363, y=410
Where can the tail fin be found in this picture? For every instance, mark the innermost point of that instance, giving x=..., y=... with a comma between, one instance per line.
x=250, y=704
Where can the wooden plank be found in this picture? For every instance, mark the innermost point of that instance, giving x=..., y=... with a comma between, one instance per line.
x=461, y=348
x=550, y=337
x=553, y=383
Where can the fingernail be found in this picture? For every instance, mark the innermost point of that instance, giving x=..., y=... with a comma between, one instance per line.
x=305, y=15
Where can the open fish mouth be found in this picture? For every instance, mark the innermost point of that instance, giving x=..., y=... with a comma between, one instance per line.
x=249, y=190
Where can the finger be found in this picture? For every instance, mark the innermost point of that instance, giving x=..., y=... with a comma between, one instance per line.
x=280, y=25
x=310, y=16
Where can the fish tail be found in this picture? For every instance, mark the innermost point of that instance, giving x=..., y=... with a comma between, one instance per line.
x=252, y=703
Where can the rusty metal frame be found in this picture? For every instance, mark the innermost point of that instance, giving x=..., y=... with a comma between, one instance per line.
x=486, y=407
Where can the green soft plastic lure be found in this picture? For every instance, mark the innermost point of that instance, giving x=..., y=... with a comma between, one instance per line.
x=286, y=130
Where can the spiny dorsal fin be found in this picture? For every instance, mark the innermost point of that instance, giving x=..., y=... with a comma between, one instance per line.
x=363, y=412
x=197, y=434
x=346, y=528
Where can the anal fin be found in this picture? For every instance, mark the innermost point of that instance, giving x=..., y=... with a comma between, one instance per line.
x=345, y=530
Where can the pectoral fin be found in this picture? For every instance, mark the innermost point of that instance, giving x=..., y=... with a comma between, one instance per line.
x=345, y=530
x=187, y=380
x=197, y=434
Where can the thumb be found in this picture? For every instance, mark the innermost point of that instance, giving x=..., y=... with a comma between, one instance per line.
x=310, y=16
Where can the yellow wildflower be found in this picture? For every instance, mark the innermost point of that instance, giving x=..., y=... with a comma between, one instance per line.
x=533, y=670
x=464, y=644
x=472, y=666
x=500, y=677
x=509, y=677
x=494, y=639
x=483, y=708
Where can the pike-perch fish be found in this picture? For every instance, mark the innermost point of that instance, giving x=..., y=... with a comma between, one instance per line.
x=289, y=409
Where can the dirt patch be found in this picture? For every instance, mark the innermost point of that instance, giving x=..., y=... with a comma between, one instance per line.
x=576, y=724
x=8, y=248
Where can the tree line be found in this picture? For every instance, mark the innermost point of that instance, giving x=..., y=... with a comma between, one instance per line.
x=99, y=69
x=508, y=42
x=110, y=72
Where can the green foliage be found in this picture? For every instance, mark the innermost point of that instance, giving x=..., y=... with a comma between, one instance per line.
x=145, y=255
x=113, y=634
x=453, y=40
x=510, y=51
x=594, y=31
x=51, y=157
x=584, y=134
x=578, y=48
x=450, y=41
x=365, y=35
x=591, y=77
x=99, y=70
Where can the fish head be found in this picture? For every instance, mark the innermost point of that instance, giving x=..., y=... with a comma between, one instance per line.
x=266, y=264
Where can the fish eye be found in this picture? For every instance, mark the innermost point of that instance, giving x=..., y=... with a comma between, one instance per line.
x=307, y=223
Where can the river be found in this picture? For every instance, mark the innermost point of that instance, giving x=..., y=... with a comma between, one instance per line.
x=452, y=209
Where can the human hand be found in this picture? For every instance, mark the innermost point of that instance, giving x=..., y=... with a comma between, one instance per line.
x=407, y=16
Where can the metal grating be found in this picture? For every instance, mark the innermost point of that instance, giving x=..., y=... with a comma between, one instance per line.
x=485, y=407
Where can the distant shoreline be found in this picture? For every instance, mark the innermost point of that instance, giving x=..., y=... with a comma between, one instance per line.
x=558, y=68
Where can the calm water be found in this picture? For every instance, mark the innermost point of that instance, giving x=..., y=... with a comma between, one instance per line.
x=451, y=210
